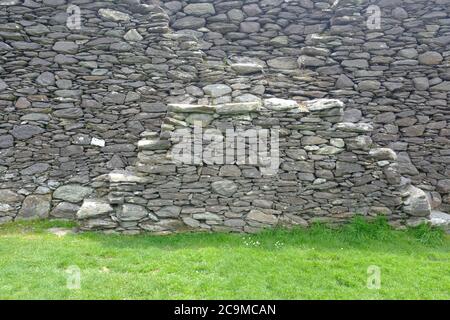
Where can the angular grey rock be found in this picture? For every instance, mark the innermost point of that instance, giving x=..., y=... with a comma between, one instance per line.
x=421, y=83
x=65, y=210
x=225, y=187
x=276, y=104
x=189, y=23
x=259, y=216
x=416, y=204
x=9, y=196
x=114, y=15
x=72, y=193
x=229, y=170
x=238, y=108
x=369, y=85
x=132, y=212
x=26, y=131
x=35, y=169
x=284, y=63
x=355, y=127
x=246, y=68
x=430, y=58
x=357, y=63
x=249, y=27
x=92, y=208
x=344, y=82
x=6, y=141
x=383, y=154
x=46, y=79
x=307, y=61
x=35, y=207
x=69, y=113
x=443, y=186
x=3, y=85
x=199, y=9
x=65, y=47
x=217, y=90
x=169, y=212
x=323, y=104
x=133, y=35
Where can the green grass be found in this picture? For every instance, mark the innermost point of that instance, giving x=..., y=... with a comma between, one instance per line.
x=317, y=263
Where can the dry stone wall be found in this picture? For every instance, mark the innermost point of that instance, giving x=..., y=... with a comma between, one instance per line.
x=75, y=102
x=325, y=171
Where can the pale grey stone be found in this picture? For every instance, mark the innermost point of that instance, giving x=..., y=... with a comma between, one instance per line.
x=92, y=208
x=6, y=141
x=113, y=15
x=416, y=203
x=199, y=9
x=224, y=187
x=430, y=58
x=26, y=131
x=72, y=193
x=35, y=207
x=217, y=90
x=276, y=104
x=133, y=35
x=246, y=68
x=259, y=216
x=169, y=212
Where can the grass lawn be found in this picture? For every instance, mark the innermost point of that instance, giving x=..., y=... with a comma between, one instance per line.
x=317, y=263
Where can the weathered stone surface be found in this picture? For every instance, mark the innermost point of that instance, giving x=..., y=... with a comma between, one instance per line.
x=34, y=169
x=169, y=212
x=225, y=187
x=283, y=63
x=217, y=90
x=23, y=132
x=246, y=68
x=132, y=212
x=66, y=47
x=133, y=35
x=430, y=58
x=280, y=104
x=65, y=210
x=323, y=104
x=230, y=171
x=416, y=203
x=113, y=15
x=189, y=23
x=199, y=9
x=35, y=207
x=238, y=108
x=46, y=79
x=92, y=208
x=258, y=216
x=6, y=141
x=383, y=154
x=72, y=193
